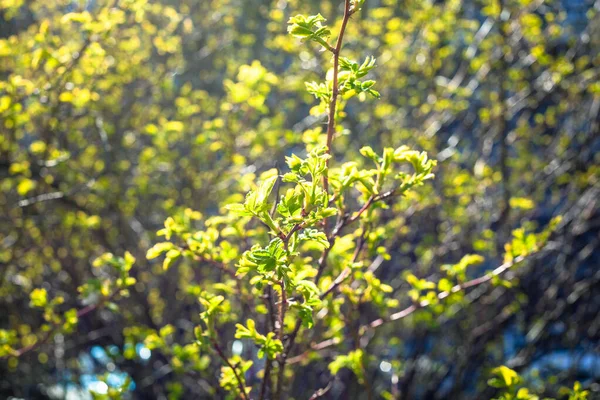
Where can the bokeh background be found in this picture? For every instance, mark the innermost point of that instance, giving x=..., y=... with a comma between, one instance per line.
x=115, y=114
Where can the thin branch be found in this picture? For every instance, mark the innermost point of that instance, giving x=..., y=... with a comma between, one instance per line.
x=322, y=392
x=296, y=228
x=283, y=356
x=414, y=307
x=268, y=298
x=348, y=11
x=226, y=361
x=282, y=310
x=326, y=45
x=335, y=89
x=503, y=131
x=276, y=190
x=373, y=199
x=266, y=379
x=48, y=335
x=344, y=274
x=442, y=295
x=220, y=265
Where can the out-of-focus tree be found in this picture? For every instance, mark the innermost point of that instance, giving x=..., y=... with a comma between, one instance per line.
x=117, y=114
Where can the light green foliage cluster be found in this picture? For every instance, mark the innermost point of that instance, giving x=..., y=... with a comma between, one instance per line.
x=354, y=361
x=297, y=219
x=296, y=222
x=267, y=344
x=509, y=384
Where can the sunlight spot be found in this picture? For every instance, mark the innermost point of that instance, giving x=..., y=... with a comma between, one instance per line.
x=385, y=366
x=237, y=347
x=99, y=387
x=145, y=353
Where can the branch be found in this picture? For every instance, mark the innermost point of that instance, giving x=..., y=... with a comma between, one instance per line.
x=330, y=131
x=346, y=271
x=80, y=314
x=226, y=360
x=442, y=295
x=322, y=392
x=282, y=305
x=335, y=92
x=212, y=262
x=414, y=307
x=365, y=207
x=266, y=379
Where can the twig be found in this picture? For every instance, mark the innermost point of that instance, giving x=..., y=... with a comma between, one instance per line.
x=282, y=310
x=335, y=89
x=442, y=295
x=321, y=392
x=215, y=263
x=330, y=132
x=266, y=379
x=226, y=360
x=268, y=297
x=344, y=274
x=414, y=307
x=80, y=314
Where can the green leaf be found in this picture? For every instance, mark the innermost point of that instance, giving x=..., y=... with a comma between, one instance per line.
x=300, y=31
x=38, y=298
x=368, y=152
x=352, y=361
x=238, y=209
x=158, y=249
x=505, y=377
x=315, y=236
x=170, y=258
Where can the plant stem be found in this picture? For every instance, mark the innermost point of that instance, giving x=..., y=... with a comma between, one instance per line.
x=282, y=304
x=283, y=356
x=80, y=314
x=226, y=361
x=266, y=379
x=330, y=132
x=414, y=307
x=335, y=89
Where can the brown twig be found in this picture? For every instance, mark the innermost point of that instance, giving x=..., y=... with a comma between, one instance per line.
x=266, y=379
x=335, y=89
x=80, y=314
x=282, y=310
x=322, y=392
x=348, y=11
x=442, y=295
x=214, y=263
x=344, y=274
x=226, y=361
x=414, y=307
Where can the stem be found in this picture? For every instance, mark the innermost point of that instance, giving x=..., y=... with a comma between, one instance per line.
x=282, y=310
x=283, y=356
x=269, y=303
x=335, y=92
x=81, y=313
x=226, y=360
x=344, y=274
x=503, y=142
x=217, y=264
x=322, y=392
x=330, y=132
x=414, y=307
x=457, y=288
x=266, y=379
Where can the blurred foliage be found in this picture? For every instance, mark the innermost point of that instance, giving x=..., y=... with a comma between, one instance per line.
x=508, y=381
x=120, y=117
